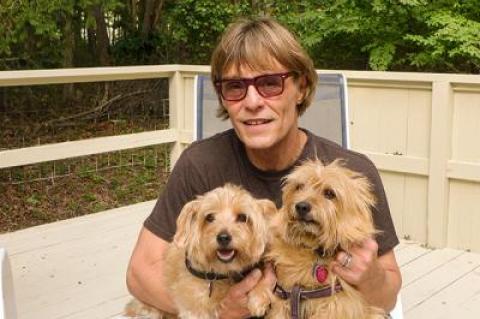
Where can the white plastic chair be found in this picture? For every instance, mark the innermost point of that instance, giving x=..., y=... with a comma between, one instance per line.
x=7, y=297
x=327, y=116
x=397, y=312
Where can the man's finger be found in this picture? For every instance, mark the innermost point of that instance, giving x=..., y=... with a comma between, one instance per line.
x=269, y=276
x=371, y=244
x=343, y=259
x=247, y=284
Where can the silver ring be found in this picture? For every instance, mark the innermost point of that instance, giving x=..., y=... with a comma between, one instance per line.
x=347, y=260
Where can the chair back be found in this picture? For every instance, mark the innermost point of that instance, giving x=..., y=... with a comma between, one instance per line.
x=327, y=116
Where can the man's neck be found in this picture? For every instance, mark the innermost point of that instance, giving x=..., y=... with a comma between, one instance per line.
x=279, y=157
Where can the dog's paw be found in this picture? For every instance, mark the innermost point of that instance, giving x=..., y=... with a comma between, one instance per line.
x=136, y=309
x=259, y=302
x=258, y=308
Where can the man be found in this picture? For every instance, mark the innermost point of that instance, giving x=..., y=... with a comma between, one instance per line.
x=264, y=81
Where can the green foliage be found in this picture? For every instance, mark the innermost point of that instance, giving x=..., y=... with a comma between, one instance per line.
x=388, y=34
x=452, y=42
x=195, y=25
x=33, y=31
x=419, y=35
x=381, y=56
x=352, y=34
x=187, y=33
x=30, y=33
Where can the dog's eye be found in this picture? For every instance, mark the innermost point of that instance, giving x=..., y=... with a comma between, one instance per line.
x=328, y=193
x=241, y=218
x=209, y=218
x=298, y=187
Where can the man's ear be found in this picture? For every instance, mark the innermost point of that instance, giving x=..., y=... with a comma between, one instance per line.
x=185, y=223
x=302, y=89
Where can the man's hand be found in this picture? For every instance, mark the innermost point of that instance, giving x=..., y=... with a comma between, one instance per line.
x=234, y=305
x=359, y=266
x=377, y=278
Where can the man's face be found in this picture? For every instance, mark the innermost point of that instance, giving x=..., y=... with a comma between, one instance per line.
x=263, y=123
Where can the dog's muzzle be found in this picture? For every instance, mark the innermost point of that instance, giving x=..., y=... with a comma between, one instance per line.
x=225, y=253
x=303, y=209
x=224, y=239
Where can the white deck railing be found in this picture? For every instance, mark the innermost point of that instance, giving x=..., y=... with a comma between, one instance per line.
x=177, y=76
x=421, y=130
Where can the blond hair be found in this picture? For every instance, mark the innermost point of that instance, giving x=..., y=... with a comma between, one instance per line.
x=260, y=43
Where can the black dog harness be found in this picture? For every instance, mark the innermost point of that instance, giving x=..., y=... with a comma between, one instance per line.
x=297, y=294
x=212, y=276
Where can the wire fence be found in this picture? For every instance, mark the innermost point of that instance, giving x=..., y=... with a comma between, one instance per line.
x=151, y=157
x=31, y=116
x=45, y=192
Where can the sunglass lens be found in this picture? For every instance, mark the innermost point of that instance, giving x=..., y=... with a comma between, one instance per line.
x=233, y=90
x=269, y=85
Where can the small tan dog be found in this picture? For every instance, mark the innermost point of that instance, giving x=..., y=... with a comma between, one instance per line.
x=325, y=209
x=221, y=236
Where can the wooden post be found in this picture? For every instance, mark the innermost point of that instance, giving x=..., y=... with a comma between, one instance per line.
x=440, y=151
x=181, y=95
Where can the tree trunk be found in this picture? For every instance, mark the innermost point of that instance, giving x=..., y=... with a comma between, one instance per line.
x=68, y=48
x=147, y=17
x=151, y=16
x=158, y=12
x=102, y=43
x=3, y=100
x=132, y=16
x=79, y=36
x=91, y=35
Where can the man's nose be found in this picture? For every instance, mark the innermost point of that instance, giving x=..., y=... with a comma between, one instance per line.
x=253, y=100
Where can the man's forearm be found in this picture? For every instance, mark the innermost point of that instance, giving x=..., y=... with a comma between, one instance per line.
x=149, y=288
x=383, y=292
x=145, y=277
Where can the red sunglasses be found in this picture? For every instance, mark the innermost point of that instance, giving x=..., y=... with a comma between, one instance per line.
x=267, y=85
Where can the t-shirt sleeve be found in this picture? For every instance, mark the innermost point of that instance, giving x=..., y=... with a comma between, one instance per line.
x=387, y=237
x=183, y=185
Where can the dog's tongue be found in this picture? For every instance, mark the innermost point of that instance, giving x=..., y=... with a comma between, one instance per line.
x=225, y=254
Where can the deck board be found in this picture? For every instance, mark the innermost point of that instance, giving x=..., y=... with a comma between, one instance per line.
x=426, y=264
x=76, y=268
x=406, y=252
x=461, y=299
x=424, y=289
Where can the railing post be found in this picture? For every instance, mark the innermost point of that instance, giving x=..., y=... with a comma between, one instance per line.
x=440, y=152
x=181, y=112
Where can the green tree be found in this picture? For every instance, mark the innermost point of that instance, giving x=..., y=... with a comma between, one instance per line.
x=451, y=41
x=419, y=35
x=30, y=33
x=416, y=35
x=186, y=32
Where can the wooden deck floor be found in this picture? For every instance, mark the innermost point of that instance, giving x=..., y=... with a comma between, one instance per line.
x=440, y=283
x=76, y=268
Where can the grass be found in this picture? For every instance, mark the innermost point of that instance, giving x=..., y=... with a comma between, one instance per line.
x=51, y=191
x=91, y=185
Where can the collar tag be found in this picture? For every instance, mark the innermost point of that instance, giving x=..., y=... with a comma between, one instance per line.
x=320, y=273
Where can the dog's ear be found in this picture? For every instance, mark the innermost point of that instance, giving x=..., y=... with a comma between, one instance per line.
x=269, y=208
x=185, y=222
x=358, y=204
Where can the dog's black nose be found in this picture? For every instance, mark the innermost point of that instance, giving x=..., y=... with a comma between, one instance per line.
x=303, y=208
x=224, y=238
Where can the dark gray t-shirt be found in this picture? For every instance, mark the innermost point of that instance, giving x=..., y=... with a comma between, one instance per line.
x=222, y=158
